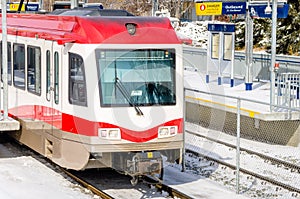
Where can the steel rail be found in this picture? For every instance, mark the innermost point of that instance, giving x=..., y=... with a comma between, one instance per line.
x=172, y=192
x=160, y=186
x=163, y=187
x=87, y=185
x=274, y=160
x=265, y=178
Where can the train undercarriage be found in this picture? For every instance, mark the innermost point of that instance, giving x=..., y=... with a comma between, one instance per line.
x=72, y=154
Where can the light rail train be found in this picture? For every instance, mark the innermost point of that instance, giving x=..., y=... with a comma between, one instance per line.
x=93, y=92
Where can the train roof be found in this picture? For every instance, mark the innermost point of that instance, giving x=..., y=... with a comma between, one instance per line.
x=91, y=11
x=92, y=30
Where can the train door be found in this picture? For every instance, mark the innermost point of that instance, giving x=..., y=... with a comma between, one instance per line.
x=53, y=61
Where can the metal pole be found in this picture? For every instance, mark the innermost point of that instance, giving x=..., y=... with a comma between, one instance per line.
x=74, y=4
x=232, y=60
x=220, y=57
x=184, y=118
x=238, y=126
x=154, y=7
x=4, y=60
x=273, y=54
x=249, y=49
x=41, y=2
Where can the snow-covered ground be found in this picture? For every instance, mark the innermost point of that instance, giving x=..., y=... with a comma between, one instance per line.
x=251, y=187
x=22, y=176
x=27, y=178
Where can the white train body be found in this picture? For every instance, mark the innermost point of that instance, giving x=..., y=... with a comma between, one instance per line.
x=87, y=100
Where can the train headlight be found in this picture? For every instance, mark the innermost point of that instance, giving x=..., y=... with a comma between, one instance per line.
x=110, y=133
x=131, y=28
x=167, y=131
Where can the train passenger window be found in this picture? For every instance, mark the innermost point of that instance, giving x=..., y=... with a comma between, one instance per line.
x=8, y=62
x=19, y=65
x=34, y=69
x=48, y=81
x=56, y=77
x=77, y=85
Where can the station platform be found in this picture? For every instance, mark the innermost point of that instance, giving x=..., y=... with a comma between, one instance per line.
x=257, y=120
x=258, y=106
x=8, y=124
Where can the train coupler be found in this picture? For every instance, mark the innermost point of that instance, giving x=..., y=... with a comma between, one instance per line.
x=145, y=163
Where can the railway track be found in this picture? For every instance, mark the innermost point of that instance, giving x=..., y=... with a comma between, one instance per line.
x=87, y=185
x=286, y=166
x=96, y=180
x=122, y=182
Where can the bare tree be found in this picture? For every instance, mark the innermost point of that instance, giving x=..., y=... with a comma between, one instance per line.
x=136, y=7
x=144, y=7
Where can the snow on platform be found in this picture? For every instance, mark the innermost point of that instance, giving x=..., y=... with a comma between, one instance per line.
x=25, y=177
x=198, y=187
x=260, y=93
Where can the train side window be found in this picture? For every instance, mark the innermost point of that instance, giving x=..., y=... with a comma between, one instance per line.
x=19, y=65
x=77, y=83
x=34, y=69
x=56, y=78
x=48, y=80
x=8, y=62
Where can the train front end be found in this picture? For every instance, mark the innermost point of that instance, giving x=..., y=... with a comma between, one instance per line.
x=141, y=101
x=140, y=107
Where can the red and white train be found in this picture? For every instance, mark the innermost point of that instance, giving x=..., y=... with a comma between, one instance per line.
x=94, y=92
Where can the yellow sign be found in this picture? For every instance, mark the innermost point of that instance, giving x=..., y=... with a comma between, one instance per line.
x=150, y=155
x=208, y=8
x=15, y=6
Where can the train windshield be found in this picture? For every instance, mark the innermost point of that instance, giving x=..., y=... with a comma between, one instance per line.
x=143, y=77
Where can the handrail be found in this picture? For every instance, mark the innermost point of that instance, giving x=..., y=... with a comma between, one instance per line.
x=242, y=99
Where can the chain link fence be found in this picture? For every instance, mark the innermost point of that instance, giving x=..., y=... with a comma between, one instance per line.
x=262, y=144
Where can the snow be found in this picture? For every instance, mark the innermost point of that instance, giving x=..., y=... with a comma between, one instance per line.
x=27, y=178
x=197, y=31
x=261, y=92
x=197, y=187
x=248, y=186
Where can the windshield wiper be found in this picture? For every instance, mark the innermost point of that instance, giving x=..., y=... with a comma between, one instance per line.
x=125, y=93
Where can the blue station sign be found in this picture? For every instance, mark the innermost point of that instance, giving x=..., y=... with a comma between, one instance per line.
x=222, y=27
x=32, y=7
x=239, y=7
x=233, y=8
x=259, y=11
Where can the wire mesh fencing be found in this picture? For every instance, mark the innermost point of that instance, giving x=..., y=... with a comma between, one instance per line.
x=262, y=148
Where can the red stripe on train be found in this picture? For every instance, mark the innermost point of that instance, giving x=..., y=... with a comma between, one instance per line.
x=81, y=126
